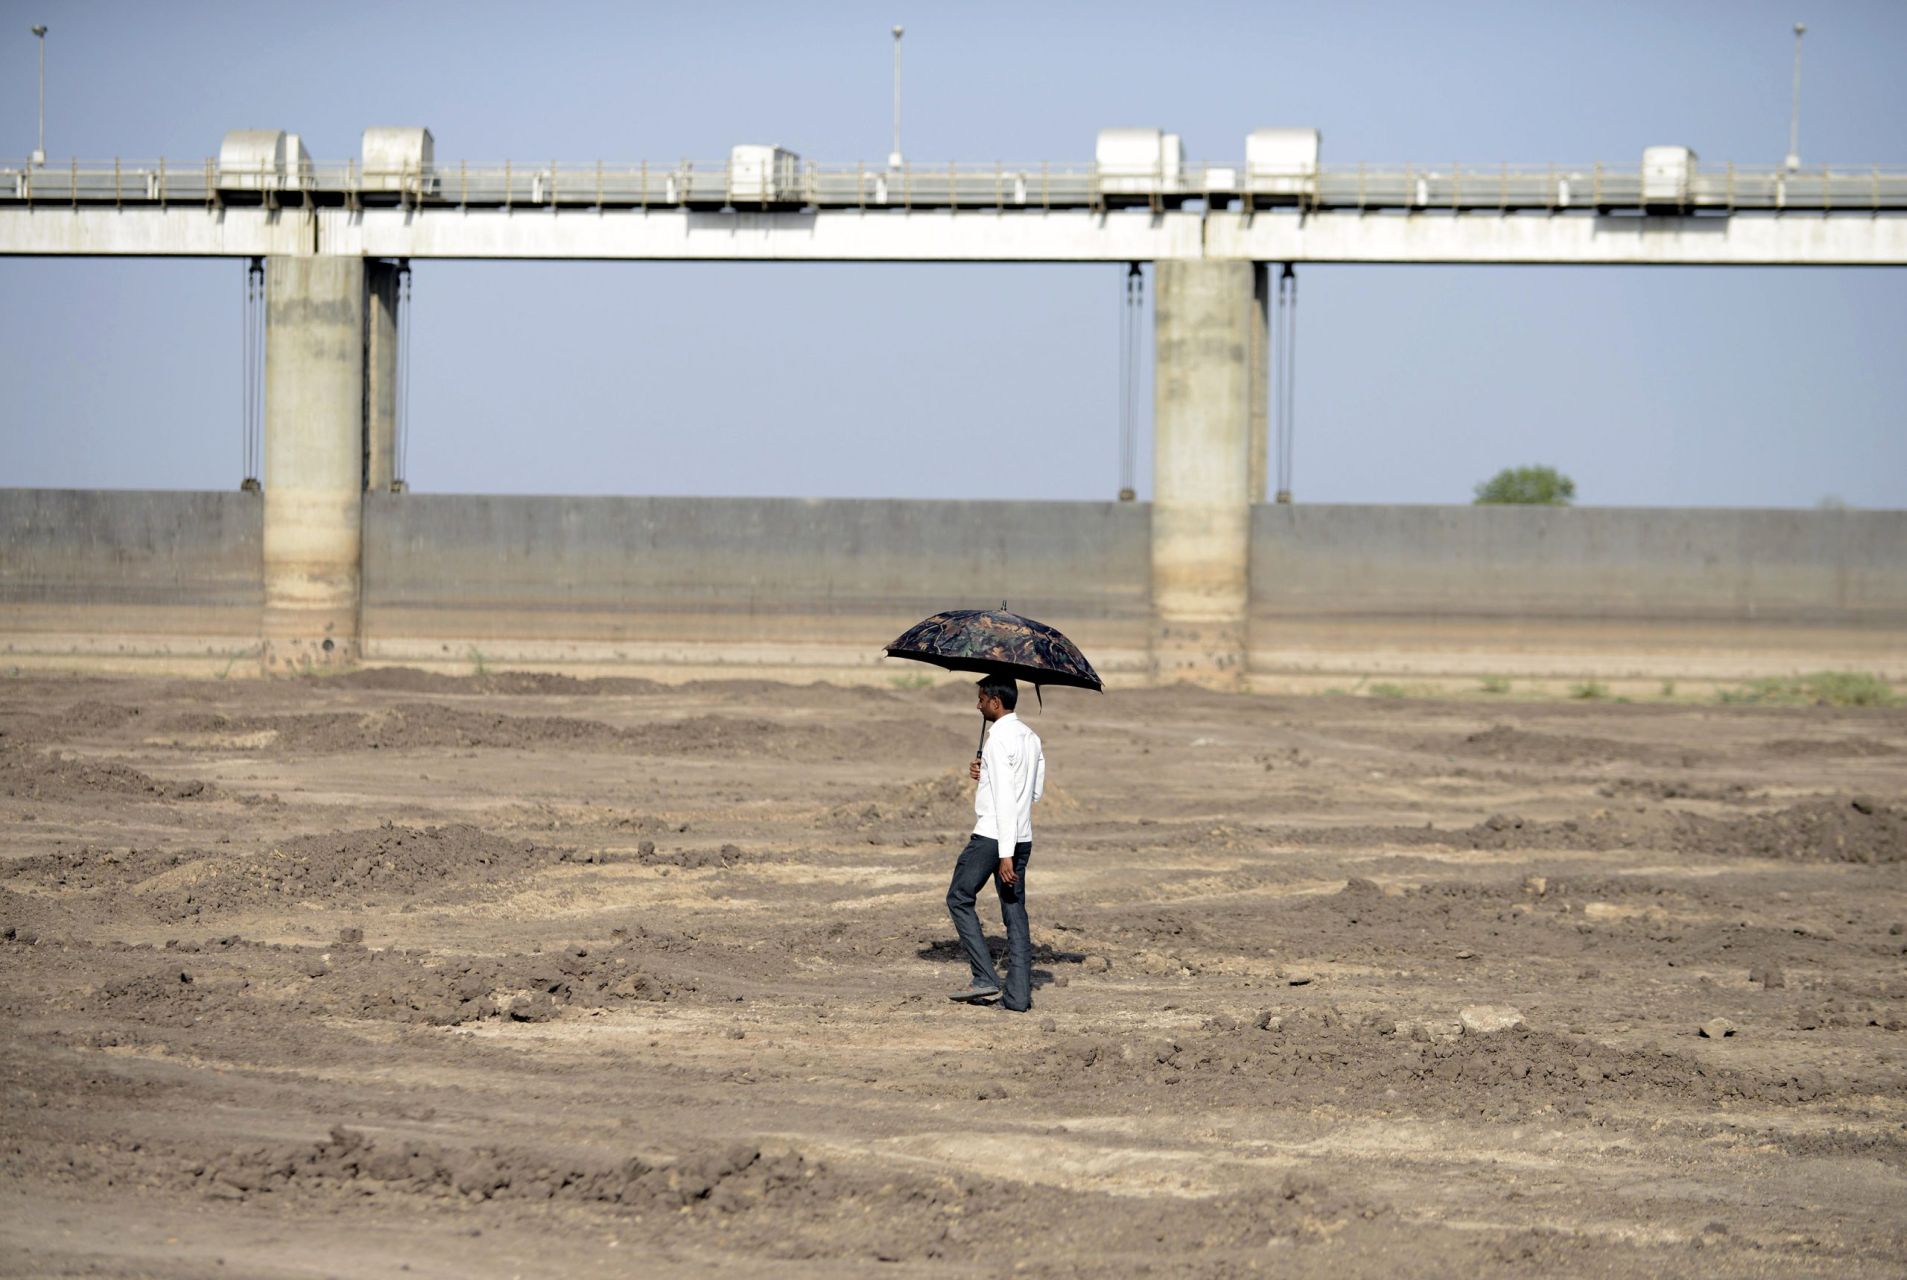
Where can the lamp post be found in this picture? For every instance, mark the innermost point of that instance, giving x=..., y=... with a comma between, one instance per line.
x=1794, y=109
x=894, y=156
x=39, y=154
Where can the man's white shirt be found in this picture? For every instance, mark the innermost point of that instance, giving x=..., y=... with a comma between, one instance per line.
x=1012, y=776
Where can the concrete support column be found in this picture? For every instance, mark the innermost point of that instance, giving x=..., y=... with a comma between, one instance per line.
x=1209, y=320
x=1259, y=353
x=380, y=375
x=314, y=460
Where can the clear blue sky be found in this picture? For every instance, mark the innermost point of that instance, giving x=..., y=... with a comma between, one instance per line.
x=1664, y=387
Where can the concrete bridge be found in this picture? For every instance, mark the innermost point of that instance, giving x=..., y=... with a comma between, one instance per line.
x=332, y=239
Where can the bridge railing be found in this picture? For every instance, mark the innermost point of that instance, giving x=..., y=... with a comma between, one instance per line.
x=1038, y=185
x=1600, y=186
x=725, y=186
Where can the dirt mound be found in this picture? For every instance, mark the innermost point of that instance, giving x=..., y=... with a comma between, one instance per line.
x=233, y=978
x=940, y=801
x=92, y=868
x=1498, y=831
x=408, y=726
x=720, y=735
x=1806, y=748
x=345, y=867
x=1828, y=829
x=817, y=693
x=32, y=775
x=89, y=716
x=526, y=683
x=892, y=1215
x=20, y=913
x=416, y=726
x=1596, y=833
x=82, y=718
x=722, y=1179
x=523, y=988
x=1522, y=746
x=1677, y=789
x=689, y=859
x=392, y=859
x=1285, y=836
x=1858, y=830
x=402, y=680
x=412, y=680
x=1311, y=1057
x=1825, y=830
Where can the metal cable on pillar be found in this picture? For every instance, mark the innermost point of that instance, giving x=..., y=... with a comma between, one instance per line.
x=1278, y=323
x=253, y=377
x=245, y=388
x=1291, y=379
x=1284, y=350
x=402, y=427
x=258, y=369
x=1131, y=326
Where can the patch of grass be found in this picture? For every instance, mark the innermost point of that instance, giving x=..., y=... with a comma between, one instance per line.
x=1668, y=688
x=1589, y=689
x=912, y=680
x=1389, y=691
x=1817, y=688
x=1495, y=684
x=231, y=660
x=477, y=666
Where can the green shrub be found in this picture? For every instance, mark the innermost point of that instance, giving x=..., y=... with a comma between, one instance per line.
x=1591, y=689
x=1495, y=684
x=1527, y=486
x=1818, y=688
x=1389, y=691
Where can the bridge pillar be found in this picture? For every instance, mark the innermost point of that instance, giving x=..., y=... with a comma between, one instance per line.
x=1259, y=356
x=314, y=460
x=1209, y=404
x=380, y=375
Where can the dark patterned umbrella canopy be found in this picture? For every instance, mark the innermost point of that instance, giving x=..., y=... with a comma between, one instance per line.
x=993, y=641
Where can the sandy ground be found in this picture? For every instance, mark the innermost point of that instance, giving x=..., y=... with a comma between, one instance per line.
x=521, y=976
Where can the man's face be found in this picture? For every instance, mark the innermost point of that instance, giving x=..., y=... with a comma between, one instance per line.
x=989, y=706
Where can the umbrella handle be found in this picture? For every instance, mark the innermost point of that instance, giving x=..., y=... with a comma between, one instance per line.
x=979, y=750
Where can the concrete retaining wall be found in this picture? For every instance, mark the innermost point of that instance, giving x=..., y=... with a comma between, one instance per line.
x=1575, y=593
x=716, y=583
x=124, y=578
x=688, y=586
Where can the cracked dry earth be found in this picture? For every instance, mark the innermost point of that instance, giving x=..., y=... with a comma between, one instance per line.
x=525, y=976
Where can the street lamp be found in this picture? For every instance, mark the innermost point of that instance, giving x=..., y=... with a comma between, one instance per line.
x=1794, y=110
x=39, y=155
x=894, y=156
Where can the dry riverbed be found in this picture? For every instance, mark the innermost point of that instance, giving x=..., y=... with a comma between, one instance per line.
x=523, y=975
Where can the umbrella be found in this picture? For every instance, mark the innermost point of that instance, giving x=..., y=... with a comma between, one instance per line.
x=995, y=642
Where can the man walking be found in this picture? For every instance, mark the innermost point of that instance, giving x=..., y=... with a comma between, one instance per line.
x=1011, y=772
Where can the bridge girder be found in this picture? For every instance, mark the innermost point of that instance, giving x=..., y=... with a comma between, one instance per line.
x=1579, y=239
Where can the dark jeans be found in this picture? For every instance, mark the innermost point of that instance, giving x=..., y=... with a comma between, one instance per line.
x=979, y=861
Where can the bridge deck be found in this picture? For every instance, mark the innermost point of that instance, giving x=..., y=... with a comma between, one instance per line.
x=1590, y=214
x=1043, y=186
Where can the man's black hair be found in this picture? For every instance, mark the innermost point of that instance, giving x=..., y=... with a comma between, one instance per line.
x=1006, y=690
